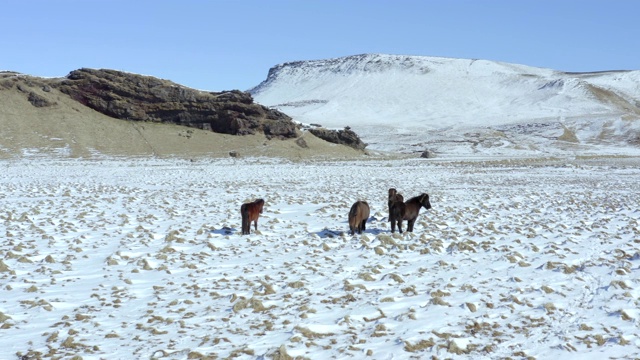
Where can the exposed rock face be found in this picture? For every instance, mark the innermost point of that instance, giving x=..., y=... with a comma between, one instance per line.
x=144, y=98
x=38, y=101
x=345, y=137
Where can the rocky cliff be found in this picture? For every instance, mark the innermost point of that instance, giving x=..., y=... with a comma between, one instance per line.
x=345, y=137
x=144, y=98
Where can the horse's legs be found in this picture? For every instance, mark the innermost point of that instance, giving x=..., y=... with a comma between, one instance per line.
x=400, y=226
x=244, y=225
x=410, y=225
x=255, y=224
x=364, y=225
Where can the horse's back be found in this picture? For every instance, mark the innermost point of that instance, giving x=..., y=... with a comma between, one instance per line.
x=253, y=209
x=359, y=209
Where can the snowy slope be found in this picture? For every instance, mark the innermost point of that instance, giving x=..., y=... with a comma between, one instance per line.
x=394, y=102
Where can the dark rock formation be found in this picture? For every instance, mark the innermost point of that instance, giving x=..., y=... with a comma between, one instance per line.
x=144, y=98
x=344, y=137
x=427, y=154
x=38, y=101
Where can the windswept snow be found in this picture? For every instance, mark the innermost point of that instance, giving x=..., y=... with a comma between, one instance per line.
x=411, y=103
x=144, y=259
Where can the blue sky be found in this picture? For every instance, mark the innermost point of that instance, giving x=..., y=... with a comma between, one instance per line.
x=231, y=44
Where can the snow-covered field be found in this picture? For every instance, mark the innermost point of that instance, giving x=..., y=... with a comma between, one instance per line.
x=140, y=259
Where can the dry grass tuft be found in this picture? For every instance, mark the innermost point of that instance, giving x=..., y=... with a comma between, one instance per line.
x=311, y=334
x=387, y=241
x=438, y=301
x=3, y=317
x=419, y=346
x=547, y=289
x=252, y=303
x=280, y=354
x=296, y=284
x=268, y=288
x=3, y=267
x=619, y=284
x=454, y=348
x=381, y=316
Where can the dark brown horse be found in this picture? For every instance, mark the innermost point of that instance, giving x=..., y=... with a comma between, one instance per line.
x=250, y=212
x=393, y=197
x=408, y=210
x=358, y=216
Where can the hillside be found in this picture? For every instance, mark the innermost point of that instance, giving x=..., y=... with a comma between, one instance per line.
x=452, y=106
x=96, y=113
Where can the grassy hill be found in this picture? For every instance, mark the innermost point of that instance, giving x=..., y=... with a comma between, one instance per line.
x=38, y=120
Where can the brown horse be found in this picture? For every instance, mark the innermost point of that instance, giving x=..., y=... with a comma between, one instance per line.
x=408, y=210
x=393, y=197
x=250, y=212
x=358, y=216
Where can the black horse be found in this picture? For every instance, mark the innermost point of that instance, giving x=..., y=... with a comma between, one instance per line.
x=408, y=210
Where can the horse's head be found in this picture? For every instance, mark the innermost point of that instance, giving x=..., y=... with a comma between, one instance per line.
x=394, y=195
x=424, y=201
x=260, y=203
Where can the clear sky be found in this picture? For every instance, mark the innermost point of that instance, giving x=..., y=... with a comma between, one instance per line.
x=231, y=44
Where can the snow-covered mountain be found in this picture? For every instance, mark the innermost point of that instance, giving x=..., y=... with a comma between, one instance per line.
x=452, y=106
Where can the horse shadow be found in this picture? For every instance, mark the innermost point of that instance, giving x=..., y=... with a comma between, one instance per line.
x=332, y=233
x=224, y=231
x=327, y=233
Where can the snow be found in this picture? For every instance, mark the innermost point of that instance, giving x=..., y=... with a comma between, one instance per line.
x=459, y=106
x=134, y=258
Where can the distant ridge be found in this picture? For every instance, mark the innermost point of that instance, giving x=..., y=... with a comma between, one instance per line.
x=412, y=103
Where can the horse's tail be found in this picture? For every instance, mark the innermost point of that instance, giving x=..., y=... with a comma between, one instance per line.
x=353, y=218
x=353, y=213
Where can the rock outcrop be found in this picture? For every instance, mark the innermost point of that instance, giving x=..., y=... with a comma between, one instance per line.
x=344, y=137
x=144, y=98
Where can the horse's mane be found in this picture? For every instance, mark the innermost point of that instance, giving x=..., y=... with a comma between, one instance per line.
x=415, y=199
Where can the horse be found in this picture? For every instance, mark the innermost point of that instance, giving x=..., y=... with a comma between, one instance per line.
x=358, y=216
x=408, y=210
x=250, y=212
x=393, y=197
